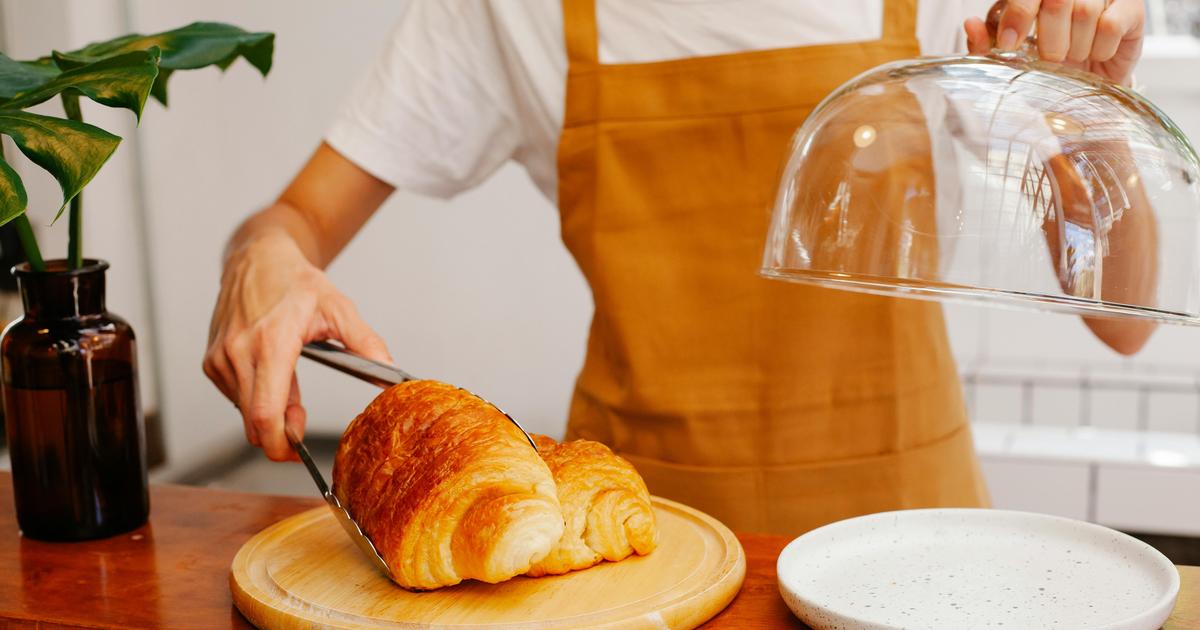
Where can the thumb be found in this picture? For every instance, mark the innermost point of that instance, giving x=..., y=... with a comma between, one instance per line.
x=355, y=334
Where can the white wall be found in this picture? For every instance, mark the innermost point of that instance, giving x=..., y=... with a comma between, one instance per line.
x=478, y=291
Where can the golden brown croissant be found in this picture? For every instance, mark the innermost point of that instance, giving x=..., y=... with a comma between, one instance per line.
x=446, y=487
x=605, y=505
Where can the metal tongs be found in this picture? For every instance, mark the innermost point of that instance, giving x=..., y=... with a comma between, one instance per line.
x=347, y=522
x=376, y=373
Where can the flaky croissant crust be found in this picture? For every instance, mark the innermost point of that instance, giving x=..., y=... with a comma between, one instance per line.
x=606, y=507
x=446, y=487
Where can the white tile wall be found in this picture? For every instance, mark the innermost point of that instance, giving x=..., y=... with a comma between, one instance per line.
x=1113, y=409
x=1142, y=481
x=1172, y=449
x=1075, y=444
x=1145, y=499
x=1035, y=485
x=1055, y=405
x=998, y=403
x=1173, y=411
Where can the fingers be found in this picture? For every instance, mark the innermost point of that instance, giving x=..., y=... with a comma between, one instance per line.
x=295, y=418
x=1016, y=22
x=1054, y=29
x=220, y=371
x=1084, y=17
x=978, y=42
x=268, y=308
x=355, y=334
x=276, y=351
x=217, y=369
x=1103, y=36
x=240, y=357
x=1123, y=19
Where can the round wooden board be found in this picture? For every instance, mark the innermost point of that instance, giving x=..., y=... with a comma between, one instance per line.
x=304, y=572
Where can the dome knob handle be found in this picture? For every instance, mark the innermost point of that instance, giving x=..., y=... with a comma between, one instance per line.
x=1028, y=48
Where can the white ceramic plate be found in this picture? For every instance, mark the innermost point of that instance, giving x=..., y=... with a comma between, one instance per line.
x=967, y=568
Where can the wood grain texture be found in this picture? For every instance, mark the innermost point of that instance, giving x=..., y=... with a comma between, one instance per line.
x=305, y=573
x=170, y=573
x=177, y=574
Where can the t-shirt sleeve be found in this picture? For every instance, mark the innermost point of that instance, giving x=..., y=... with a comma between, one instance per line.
x=435, y=113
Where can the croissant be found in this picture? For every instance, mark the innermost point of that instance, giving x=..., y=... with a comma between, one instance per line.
x=446, y=487
x=605, y=505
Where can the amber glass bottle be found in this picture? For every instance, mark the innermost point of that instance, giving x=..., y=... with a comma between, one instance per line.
x=74, y=419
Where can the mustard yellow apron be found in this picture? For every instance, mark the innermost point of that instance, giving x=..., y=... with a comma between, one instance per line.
x=774, y=407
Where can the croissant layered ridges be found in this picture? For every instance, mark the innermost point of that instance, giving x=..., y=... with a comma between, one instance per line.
x=424, y=461
x=606, y=507
x=448, y=489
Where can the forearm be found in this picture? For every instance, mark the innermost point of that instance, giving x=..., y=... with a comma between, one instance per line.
x=1131, y=273
x=1125, y=238
x=279, y=224
x=319, y=212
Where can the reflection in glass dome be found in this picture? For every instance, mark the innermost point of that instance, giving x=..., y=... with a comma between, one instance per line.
x=999, y=177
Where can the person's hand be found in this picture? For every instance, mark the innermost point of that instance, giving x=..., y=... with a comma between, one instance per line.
x=1101, y=36
x=272, y=302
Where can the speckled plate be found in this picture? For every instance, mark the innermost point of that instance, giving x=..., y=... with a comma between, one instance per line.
x=967, y=568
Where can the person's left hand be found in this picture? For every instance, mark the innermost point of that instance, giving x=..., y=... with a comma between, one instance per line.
x=1101, y=36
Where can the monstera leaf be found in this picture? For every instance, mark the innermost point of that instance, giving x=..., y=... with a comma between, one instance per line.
x=21, y=76
x=71, y=151
x=121, y=72
x=12, y=192
x=196, y=45
x=118, y=81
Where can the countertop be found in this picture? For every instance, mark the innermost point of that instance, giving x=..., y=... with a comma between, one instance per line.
x=173, y=572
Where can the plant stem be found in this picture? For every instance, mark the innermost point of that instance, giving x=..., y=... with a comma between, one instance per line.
x=75, y=233
x=75, y=222
x=29, y=242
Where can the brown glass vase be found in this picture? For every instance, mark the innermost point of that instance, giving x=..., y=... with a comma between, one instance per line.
x=74, y=419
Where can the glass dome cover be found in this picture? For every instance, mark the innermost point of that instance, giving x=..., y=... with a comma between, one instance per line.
x=997, y=177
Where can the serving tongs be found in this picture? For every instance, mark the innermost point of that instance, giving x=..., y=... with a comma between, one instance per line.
x=376, y=373
x=347, y=522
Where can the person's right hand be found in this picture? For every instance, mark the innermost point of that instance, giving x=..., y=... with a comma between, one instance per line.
x=272, y=302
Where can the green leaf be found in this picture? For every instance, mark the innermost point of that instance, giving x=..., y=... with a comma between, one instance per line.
x=196, y=45
x=21, y=76
x=117, y=73
x=118, y=81
x=71, y=151
x=13, y=198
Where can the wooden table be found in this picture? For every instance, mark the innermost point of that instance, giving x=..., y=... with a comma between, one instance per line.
x=173, y=573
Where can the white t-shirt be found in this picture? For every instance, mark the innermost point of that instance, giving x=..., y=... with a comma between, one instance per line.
x=466, y=85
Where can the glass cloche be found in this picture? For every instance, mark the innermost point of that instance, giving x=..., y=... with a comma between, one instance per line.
x=997, y=177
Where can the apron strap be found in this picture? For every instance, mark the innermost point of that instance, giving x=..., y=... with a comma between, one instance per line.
x=579, y=31
x=899, y=20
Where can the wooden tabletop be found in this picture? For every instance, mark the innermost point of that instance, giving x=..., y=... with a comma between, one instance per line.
x=173, y=573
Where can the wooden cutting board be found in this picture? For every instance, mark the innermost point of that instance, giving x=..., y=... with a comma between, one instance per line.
x=304, y=572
